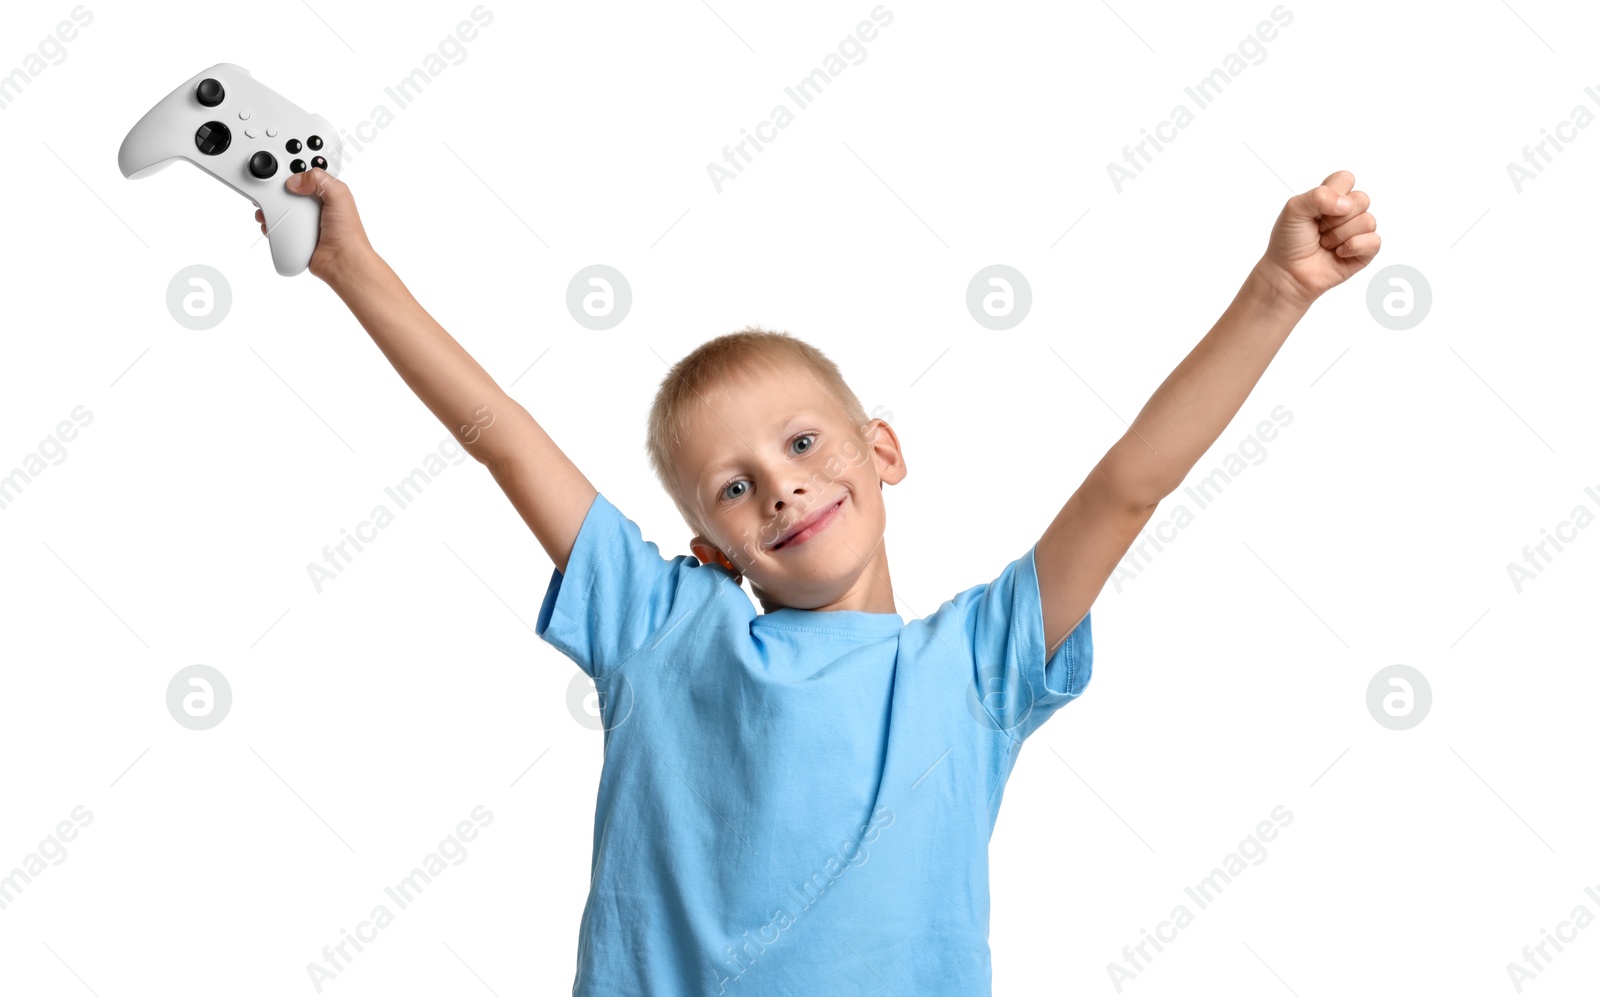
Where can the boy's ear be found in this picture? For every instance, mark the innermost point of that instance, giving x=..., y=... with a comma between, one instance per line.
x=886, y=447
x=707, y=553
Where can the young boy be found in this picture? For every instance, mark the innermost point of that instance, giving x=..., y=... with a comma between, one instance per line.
x=801, y=801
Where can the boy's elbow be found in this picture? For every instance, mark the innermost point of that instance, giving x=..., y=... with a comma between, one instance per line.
x=1127, y=492
x=488, y=435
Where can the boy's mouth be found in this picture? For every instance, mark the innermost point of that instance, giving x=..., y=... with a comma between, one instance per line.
x=809, y=527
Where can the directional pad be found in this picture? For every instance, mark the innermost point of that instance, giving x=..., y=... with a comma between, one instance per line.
x=213, y=138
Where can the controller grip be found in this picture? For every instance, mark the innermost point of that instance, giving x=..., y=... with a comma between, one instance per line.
x=294, y=224
x=151, y=145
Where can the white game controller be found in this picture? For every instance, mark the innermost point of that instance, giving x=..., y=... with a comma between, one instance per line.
x=251, y=139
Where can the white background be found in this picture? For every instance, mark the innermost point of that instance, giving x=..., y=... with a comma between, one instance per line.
x=1230, y=676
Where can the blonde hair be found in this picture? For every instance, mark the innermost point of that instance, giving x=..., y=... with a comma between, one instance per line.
x=734, y=357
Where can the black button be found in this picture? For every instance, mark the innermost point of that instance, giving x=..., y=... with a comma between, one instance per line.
x=212, y=138
x=319, y=162
x=298, y=166
x=209, y=93
x=293, y=146
x=314, y=143
x=262, y=165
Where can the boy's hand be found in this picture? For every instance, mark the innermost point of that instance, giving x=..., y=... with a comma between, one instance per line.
x=1321, y=238
x=342, y=238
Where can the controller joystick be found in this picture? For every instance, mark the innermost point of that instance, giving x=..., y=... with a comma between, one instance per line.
x=209, y=93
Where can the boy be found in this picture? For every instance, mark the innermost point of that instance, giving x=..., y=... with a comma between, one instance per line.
x=801, y=801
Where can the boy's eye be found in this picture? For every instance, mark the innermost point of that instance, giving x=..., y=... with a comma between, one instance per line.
x=740, y=481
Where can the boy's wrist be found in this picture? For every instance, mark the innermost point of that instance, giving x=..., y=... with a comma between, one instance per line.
x=1273, y=291
x=350, y=267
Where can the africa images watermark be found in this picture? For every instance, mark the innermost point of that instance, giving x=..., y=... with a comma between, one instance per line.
x=51, y=449
x=451, y=51
x=1252, y=448
x=1203, y=93
x=402, y=893
x=1566, y=130
x=53, y=48
x=802, y=94
x=409, y=488
x=1537, y=557
x=1581, y=917
x=1203, y=894
x=850, y=855
x=50, y=849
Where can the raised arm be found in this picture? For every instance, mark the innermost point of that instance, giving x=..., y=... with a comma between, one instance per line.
x=547, y=489
x=1320, y=239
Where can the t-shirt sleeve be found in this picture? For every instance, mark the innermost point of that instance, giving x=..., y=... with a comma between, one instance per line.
x=617, y=594
x=1015, y=689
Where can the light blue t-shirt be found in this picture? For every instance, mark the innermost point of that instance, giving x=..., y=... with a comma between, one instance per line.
x=796, y=802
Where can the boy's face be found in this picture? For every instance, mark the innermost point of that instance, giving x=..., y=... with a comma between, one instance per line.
x=762, y=456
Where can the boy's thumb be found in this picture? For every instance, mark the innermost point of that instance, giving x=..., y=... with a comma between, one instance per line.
x=330, y=189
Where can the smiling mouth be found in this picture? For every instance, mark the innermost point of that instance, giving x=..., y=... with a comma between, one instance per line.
x=811, y=529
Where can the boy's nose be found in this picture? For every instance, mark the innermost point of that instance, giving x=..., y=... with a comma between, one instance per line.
x=797, y=494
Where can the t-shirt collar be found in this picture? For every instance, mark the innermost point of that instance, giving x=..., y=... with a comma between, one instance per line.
x=845, y=621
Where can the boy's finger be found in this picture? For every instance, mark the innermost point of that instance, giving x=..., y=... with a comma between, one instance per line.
x=1318, y=202
x=1341, y=181
x=1364, y=222
x=1360, y=245
x=1359, y=202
